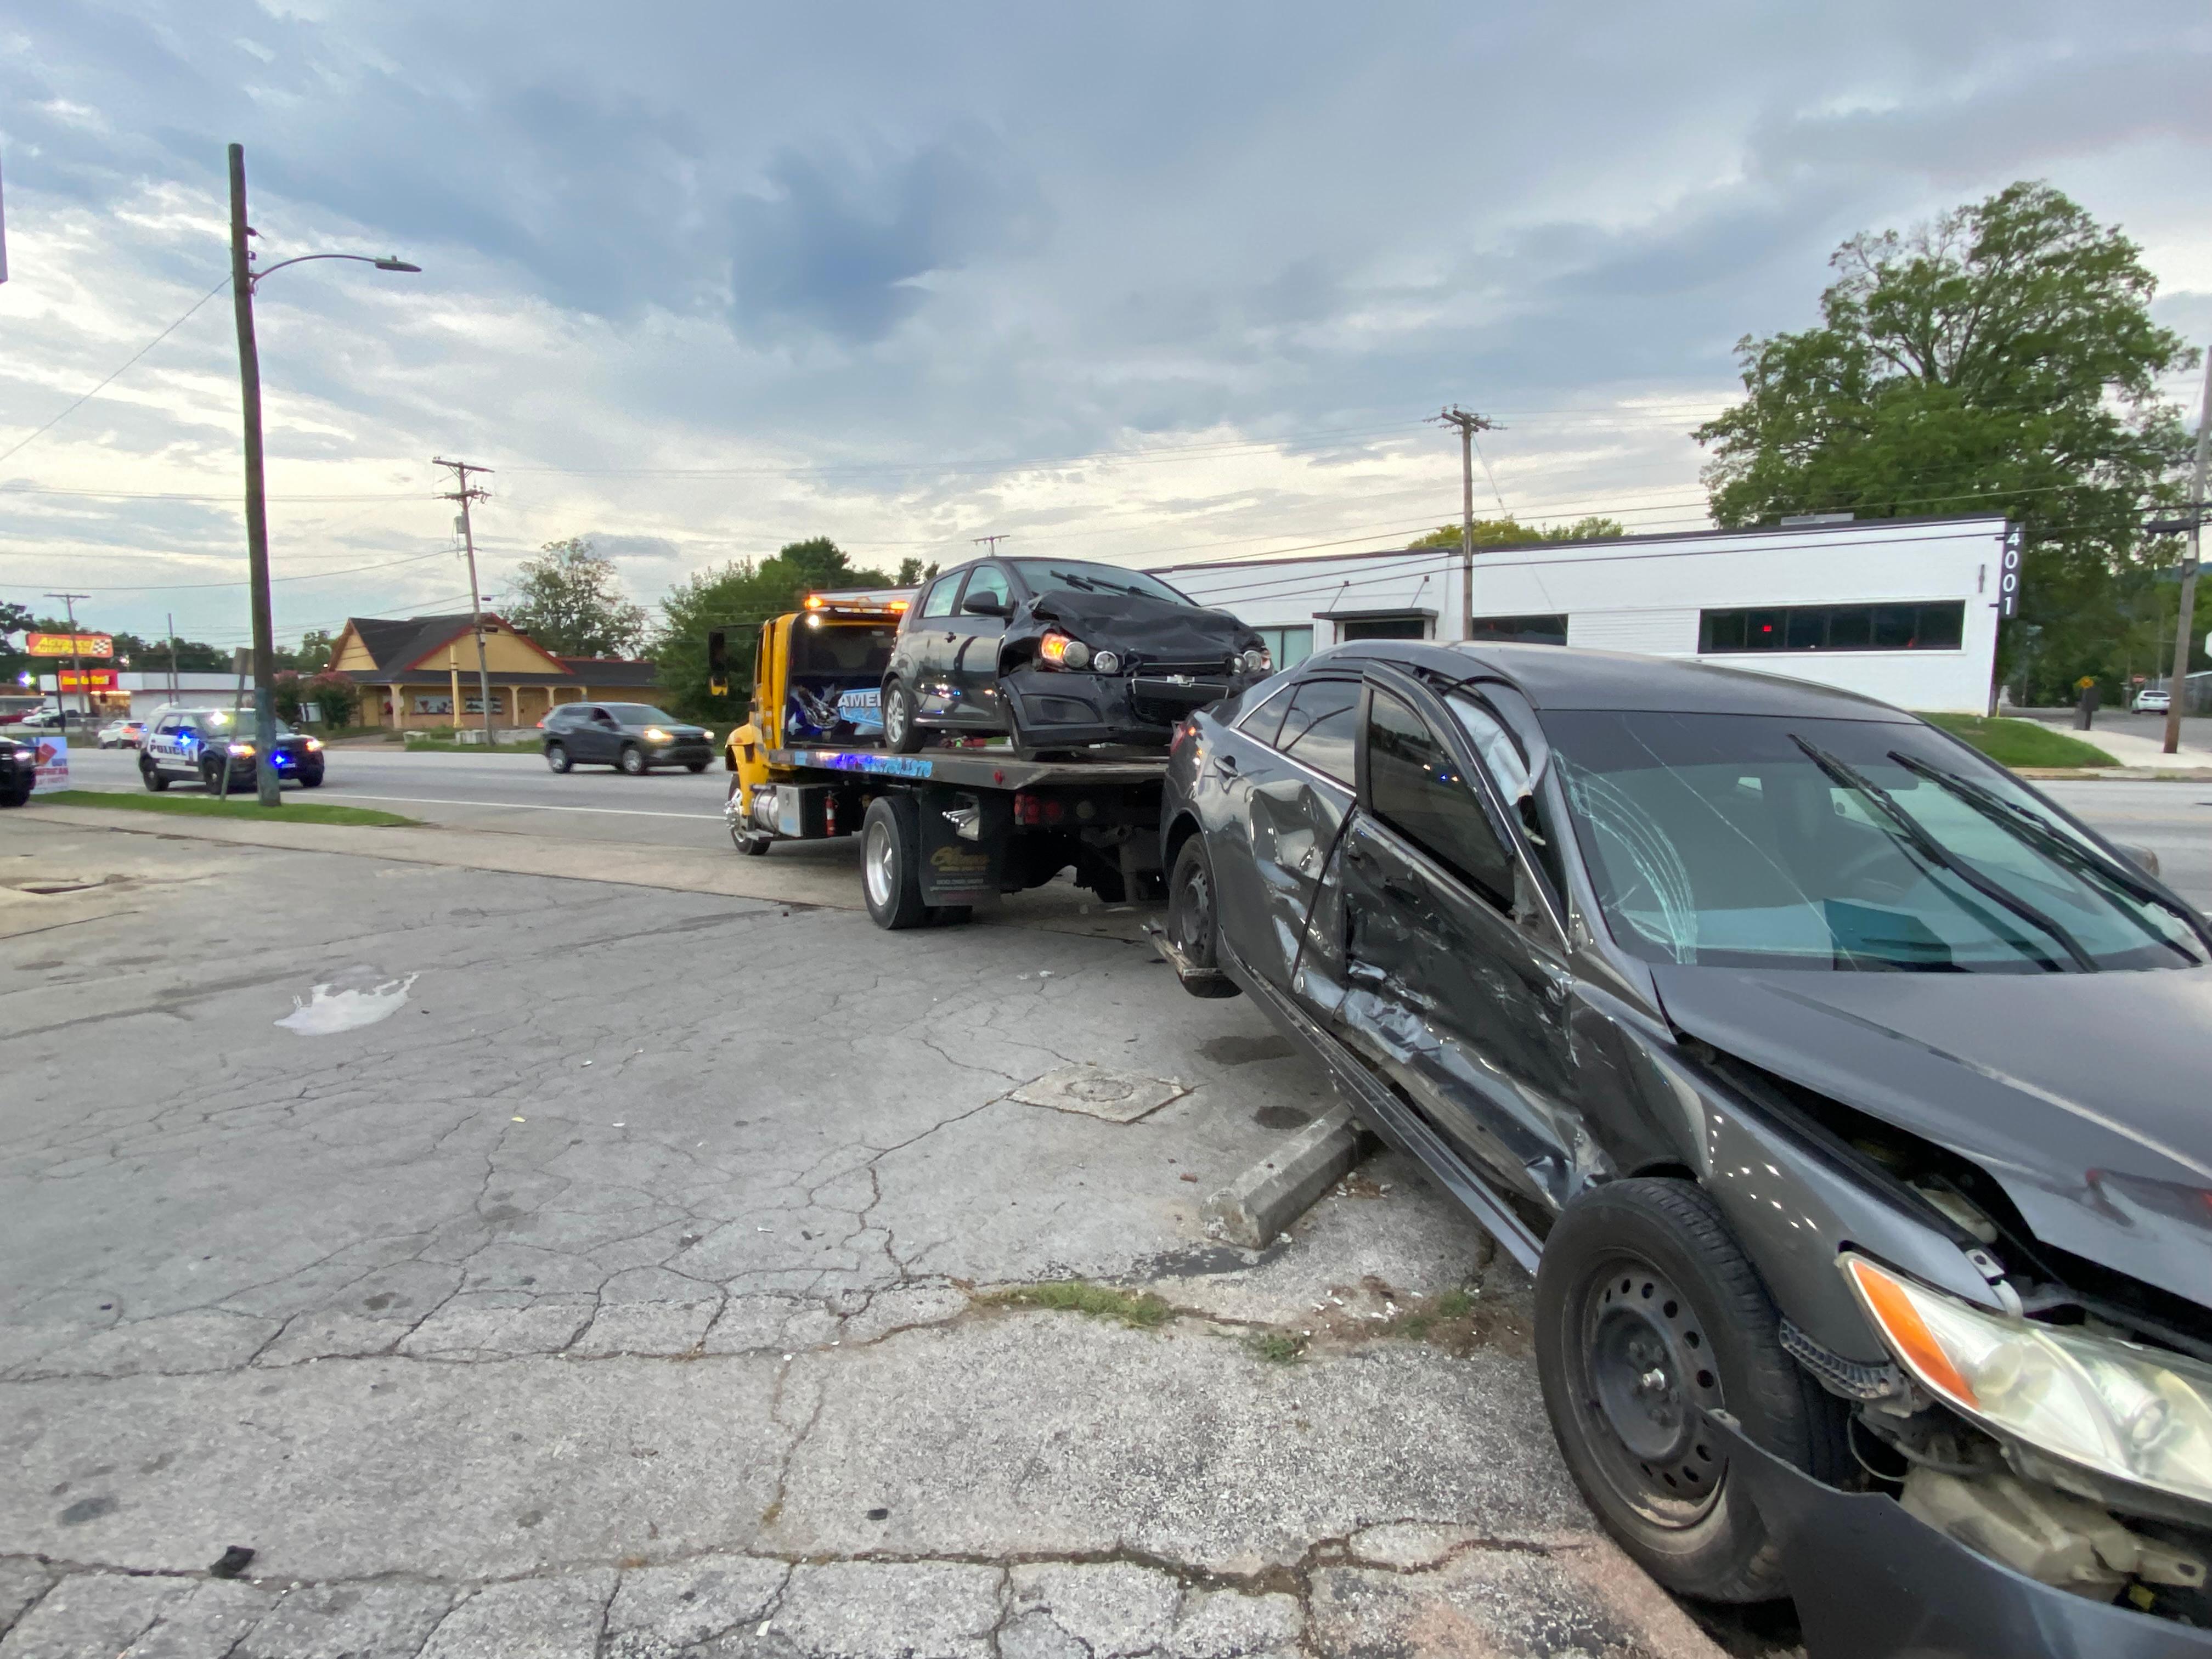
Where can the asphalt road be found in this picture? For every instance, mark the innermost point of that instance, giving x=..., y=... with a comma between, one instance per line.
x=492, y=792
x=682, y=809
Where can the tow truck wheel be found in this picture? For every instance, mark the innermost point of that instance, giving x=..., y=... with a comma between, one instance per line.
x=891, y=862
x=1648, y=1315
x=901, y=732
x=751, y=842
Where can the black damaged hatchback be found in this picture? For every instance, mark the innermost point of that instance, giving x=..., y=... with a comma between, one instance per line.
x=1846, y=1095
x=1059, y=654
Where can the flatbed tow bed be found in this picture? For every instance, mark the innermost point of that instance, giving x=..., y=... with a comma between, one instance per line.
x=946, y=830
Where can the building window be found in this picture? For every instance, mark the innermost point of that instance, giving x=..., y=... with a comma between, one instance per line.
x=1522, y=631
x=434, y=705
x=1940, y=626
x=1288, y=646
x=1412, y=626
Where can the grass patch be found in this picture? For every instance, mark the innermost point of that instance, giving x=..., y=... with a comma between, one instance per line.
x=1454, y=1304
x=214, y=806
x=2020, y=743
x=1277, y=1348
x=1139, y=1309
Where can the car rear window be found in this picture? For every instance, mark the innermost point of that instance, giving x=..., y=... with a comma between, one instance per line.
x=1320, y=724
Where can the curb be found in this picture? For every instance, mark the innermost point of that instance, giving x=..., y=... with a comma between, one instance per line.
x=1263, y=1202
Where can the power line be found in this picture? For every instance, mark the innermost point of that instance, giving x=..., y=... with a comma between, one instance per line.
x=104, y=384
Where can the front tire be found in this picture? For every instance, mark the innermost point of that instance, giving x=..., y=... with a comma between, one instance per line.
x=632, y=761
x=312, y=779
x=557, y=756
x=151, y=776
x=694, y=766
x=1648, y=1315
x=890, y=863
x=902, y=731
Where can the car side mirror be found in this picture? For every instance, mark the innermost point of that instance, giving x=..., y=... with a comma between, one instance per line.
x=2141, y=857
x=986, y=604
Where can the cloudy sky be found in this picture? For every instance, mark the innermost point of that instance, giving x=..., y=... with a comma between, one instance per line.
x=1153, y=283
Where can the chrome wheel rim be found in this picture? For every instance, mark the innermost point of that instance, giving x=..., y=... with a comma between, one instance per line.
x=894, y=716
x=878, y=863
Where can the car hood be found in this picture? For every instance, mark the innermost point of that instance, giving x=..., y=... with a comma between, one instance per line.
x=2082, y=1094
x=1152, y=630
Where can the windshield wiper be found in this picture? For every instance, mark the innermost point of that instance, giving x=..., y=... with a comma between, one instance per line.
x=2045, y=837
x=1936, y=853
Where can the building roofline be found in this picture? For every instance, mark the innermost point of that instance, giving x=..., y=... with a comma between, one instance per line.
x=1824, y=532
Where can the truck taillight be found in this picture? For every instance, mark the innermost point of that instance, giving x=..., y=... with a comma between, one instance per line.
x=1036, y=810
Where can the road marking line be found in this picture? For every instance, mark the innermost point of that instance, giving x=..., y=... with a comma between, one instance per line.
x=525, y=806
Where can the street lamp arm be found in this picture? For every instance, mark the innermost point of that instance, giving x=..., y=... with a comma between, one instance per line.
x=387, y=263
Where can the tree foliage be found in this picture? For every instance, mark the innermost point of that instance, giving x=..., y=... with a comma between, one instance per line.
x=569, y=598
x=739, y=596
x=2001, y=358
x=1510, y=532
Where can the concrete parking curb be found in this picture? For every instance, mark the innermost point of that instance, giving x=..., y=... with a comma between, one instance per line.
x=1264, y=1201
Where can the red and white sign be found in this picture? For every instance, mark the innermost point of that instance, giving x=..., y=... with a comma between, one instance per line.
x=53, y=763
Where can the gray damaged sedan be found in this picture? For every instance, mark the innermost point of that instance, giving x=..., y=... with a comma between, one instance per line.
x=1846, y=1096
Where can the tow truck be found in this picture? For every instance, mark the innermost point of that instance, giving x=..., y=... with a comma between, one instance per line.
x=943, y=831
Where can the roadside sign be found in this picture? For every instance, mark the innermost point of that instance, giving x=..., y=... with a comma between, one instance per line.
x=91, y=679
x=53, y=763
x=68, y=645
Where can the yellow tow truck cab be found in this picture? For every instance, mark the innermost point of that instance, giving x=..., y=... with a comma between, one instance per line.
x=817, y=673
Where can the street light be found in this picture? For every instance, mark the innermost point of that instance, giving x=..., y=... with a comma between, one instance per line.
x=243, y=279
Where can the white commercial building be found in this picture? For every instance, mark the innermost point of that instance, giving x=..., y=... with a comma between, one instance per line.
x=1905, y=609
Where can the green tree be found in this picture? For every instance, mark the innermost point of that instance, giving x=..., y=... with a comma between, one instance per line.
x=2002, y=359
x=1508, y=531
x=739, y=596
x=569, y=599
x=313, y=654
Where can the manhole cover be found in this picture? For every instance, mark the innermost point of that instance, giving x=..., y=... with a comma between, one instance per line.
x=1095, y=1091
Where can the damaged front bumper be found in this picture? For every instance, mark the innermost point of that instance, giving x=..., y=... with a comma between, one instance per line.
x=1872, y=1582
x=1067, y=707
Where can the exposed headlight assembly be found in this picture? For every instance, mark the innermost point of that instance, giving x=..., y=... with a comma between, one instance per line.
x=2136, y=1413
x=1056, y=650
x=1256, y=661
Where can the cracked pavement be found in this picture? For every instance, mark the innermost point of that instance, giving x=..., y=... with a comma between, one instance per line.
x=616, y=1296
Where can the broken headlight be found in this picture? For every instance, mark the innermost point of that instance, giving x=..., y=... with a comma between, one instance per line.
x=2137, y=1413
x=1255, y=661
x=1056, y=650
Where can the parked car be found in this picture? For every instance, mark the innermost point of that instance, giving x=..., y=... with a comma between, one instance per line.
x=1057, y=653
x=188, y=745
x=122, y=734
x=633, y=736
x=2152, y=700
x=1843, y=1092
x=19, y=771
x=60, y=720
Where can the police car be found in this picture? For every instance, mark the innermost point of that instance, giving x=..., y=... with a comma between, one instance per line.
x=189, y=746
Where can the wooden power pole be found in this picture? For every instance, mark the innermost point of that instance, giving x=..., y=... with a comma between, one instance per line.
x=2177, y=683
x=464, y=493
x=1469, y=424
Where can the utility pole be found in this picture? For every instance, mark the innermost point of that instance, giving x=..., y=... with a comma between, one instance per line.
x=265, y=784
x=2185, y=624
x=172, y=620
x=76, y=663
x=464, y=493
x=1469, y=424
x=990, y=543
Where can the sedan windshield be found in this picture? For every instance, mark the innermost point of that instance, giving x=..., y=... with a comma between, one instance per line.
x=1049, y=575
x=1766, y=842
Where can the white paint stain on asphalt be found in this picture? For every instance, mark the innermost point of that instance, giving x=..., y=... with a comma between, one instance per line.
x=332, y=1010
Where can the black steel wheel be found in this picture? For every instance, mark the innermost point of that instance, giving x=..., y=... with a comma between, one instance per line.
x=1648, y=1315
x=557, y=756
x=631, y=759
x=891, y=862
x=1194, y=924
x=902, y=731
x=311, y=778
